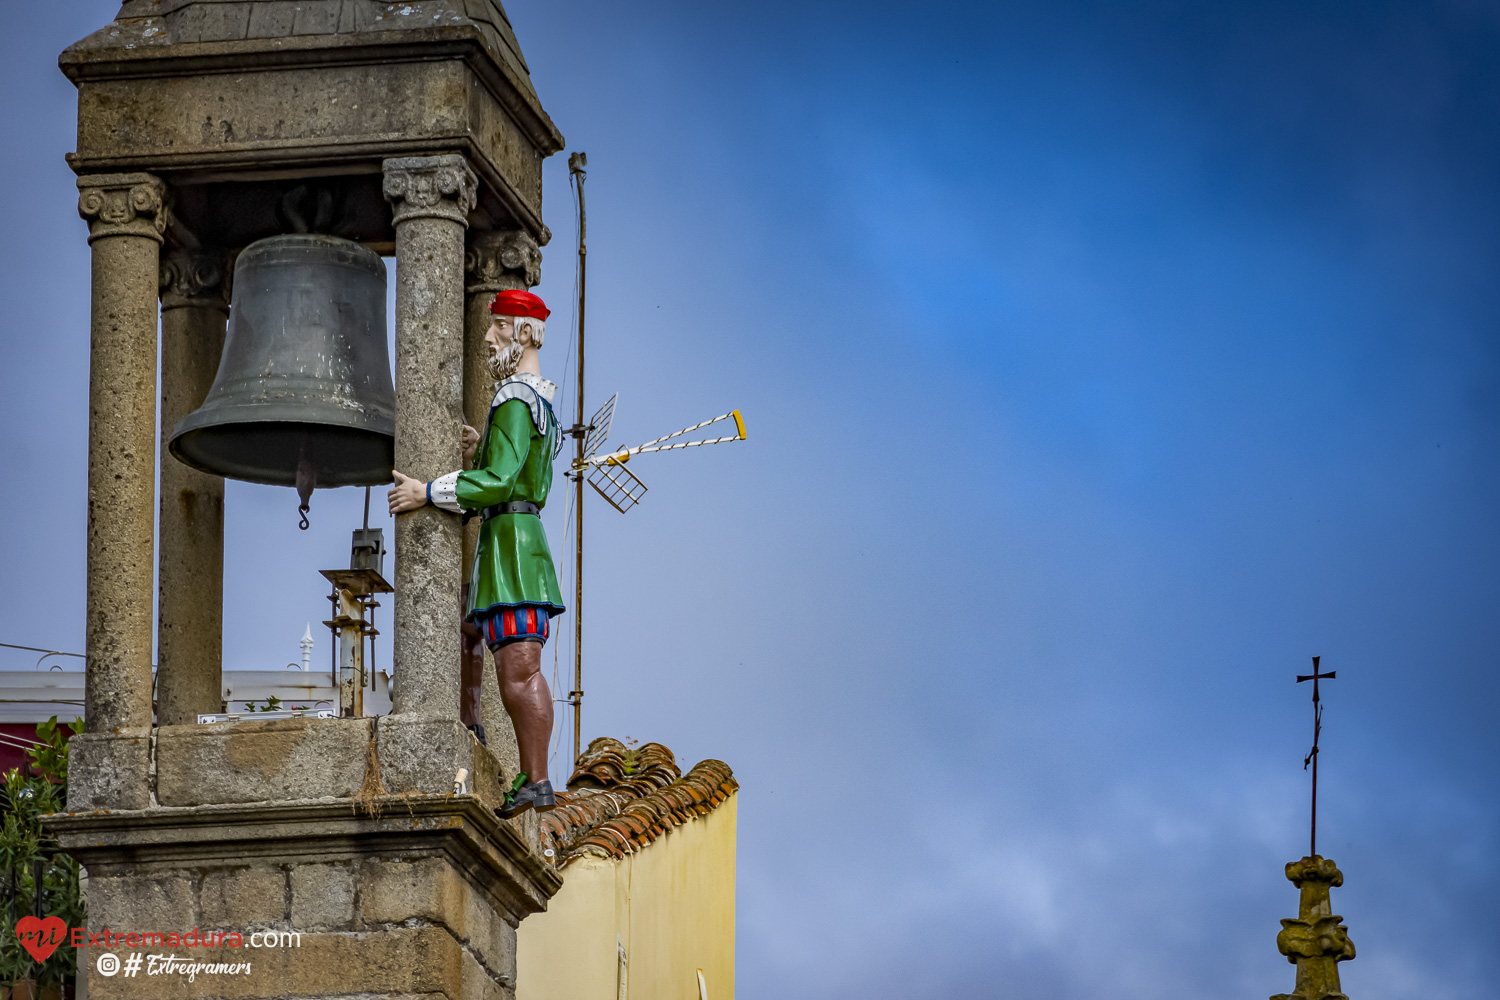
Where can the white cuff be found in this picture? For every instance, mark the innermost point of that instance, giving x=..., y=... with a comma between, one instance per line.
x=443, y=492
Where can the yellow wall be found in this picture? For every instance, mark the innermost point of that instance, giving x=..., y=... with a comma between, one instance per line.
x=671, y=905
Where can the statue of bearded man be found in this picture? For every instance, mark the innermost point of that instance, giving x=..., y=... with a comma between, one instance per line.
x=512, y=593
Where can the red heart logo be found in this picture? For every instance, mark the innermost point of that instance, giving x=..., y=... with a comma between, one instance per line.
x=41, y=937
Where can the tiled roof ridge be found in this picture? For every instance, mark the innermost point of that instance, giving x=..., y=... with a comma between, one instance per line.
x=608, y=763
x=621, y=819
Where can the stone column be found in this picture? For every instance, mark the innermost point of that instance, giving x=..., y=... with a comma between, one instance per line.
x=431, y=197
x=497, y=260
x=1317, y=940
x=190, y=557
x=126, y=215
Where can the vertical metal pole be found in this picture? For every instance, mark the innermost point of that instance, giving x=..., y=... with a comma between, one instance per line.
x=576, y=163
x=1312, y=757
x=1317, y=732
x=1312, y=850
x=365, y=612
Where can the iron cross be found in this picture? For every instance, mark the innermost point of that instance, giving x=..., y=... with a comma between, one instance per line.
x=1312, y=757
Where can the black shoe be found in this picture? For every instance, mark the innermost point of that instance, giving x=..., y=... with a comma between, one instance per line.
x=538, y=796
x=478, y=731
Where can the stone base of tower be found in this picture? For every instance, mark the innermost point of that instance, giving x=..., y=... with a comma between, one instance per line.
x=351, y=890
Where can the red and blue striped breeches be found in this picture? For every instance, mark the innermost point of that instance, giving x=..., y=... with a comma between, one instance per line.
x=526, y=623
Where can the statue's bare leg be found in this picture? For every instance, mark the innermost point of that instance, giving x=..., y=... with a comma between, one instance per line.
x=528, y=700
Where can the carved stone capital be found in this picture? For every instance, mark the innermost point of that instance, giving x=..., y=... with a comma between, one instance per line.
x=123, y=205
x=430, y=187
x=502, y=259
x=1315, y=870
x=194, y=277
x=1323, y=937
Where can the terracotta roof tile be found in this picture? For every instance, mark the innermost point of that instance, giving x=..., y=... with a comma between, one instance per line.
x=619, y=800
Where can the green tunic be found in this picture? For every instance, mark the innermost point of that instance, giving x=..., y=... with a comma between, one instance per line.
x=512, y=563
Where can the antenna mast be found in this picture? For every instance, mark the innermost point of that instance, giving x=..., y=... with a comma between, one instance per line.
x=576, y=172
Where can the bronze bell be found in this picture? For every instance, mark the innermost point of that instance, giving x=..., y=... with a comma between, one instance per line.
x=303, y=396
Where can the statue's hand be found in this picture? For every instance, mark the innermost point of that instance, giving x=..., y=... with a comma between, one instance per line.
x=407, y=494
x=470, y=441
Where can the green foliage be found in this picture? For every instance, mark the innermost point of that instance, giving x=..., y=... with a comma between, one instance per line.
x=24, y=800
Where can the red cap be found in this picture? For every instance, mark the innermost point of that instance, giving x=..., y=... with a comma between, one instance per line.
x=514, y=303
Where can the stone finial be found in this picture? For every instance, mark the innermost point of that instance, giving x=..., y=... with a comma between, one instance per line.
x=424, y=187
x=123, y=205
x=194, y=277
x=502, y=259
x=1317, y=940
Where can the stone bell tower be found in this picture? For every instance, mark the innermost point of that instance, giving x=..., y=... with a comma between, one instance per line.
x=413, y=130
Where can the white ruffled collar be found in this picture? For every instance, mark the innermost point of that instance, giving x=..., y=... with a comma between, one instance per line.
x=545, y=388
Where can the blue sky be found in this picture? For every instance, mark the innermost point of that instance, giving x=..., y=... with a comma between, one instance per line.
x=1102, y=364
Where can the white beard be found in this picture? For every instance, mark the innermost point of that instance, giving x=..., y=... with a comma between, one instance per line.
x=503, y=364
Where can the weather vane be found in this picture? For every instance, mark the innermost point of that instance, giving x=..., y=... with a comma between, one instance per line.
x=1312, y=757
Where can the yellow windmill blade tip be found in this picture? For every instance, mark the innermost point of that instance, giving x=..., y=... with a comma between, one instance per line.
x=739, y=422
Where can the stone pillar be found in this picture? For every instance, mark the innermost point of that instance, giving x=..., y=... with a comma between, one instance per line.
x=190, y=557
x=431, y=197
x=497, y=260
x=126, y=215
x=1317, y=940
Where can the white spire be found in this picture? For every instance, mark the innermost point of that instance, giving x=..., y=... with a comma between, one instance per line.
x=307, y=644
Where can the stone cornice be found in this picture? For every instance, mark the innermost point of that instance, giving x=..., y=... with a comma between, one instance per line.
x=123, y=205
x=83, y=62
x=430, y=187
x=460, y=826
x=194, y=278
x=502, y=259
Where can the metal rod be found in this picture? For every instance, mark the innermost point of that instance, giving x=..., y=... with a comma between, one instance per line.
x=373, y=605
x=576, y=164
x=39, y=649
x=1312, y=756
x=367, y=508
x=45, y=654
x=686, y=430
x=616, y=457
x=1312, y=847
x=333, y=642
